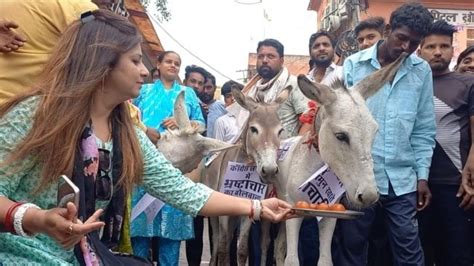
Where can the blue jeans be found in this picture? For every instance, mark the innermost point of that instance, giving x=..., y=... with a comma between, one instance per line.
x=308, y=244
x=351, y=237
x=445, y=229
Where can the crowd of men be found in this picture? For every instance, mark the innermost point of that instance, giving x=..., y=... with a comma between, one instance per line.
x=423, y=158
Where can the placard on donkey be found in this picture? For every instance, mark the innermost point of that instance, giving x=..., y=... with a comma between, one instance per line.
x=346, y=131
x=260, y=140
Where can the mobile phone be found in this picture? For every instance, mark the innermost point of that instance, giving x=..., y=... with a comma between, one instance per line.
x=67, y=192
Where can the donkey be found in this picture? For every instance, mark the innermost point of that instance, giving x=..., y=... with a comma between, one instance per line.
x=346, y=131
x=260, y=140
x=185, y=147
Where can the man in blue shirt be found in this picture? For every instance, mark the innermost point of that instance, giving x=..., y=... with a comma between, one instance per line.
x=404, y=142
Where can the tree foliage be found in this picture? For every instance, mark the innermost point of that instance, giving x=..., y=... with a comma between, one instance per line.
x=160, y=7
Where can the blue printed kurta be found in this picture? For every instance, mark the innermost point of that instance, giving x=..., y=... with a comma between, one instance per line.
x=156, y=104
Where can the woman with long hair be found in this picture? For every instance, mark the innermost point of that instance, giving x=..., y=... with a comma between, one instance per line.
x=156, y=103
x=75, y=122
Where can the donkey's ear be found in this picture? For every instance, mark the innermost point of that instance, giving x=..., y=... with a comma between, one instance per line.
x=372, y=83
x=246, y=102
x=180, y=112
x=283, y=95
x=318, y=92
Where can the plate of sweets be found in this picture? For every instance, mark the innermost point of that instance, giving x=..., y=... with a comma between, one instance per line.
x=336, y=210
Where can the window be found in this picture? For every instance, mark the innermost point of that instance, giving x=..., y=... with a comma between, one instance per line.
x=470, y=37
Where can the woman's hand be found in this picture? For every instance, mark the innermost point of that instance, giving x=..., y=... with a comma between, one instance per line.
x=275, y=210
x=61, y=224
x=10, y=40
x=170, y=123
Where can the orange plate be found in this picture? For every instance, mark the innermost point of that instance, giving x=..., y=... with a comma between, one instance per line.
x=347, y=215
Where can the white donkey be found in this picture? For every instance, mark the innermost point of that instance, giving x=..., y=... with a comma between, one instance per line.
x=260, y=140
x=346, y=131
x=185, y=147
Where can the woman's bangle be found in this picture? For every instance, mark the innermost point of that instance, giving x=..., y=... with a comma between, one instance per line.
x=8, y=221
x=18, y=218
x=256, y=210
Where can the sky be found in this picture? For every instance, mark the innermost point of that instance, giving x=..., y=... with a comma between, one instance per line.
x=221, y=33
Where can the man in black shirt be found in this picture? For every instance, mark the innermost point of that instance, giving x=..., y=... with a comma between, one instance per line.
x=444, y=225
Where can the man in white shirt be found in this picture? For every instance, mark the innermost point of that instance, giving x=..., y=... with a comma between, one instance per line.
x=323, y=70
x=321, y=51
x=226, y=127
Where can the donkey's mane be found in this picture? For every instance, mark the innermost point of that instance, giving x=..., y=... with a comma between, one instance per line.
x=338, y=83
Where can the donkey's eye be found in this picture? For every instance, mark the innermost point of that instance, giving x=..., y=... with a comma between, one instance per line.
x=280, y=132
x=254, y=130
x=342, y=137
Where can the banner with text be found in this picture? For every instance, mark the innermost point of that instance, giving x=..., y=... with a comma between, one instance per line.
x=242, y=180
x=322, y=187
x=454, y=16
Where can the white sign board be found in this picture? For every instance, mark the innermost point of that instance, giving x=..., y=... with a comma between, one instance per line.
x=285, y=147
x=322, y=187
x=149, y=205
x=456, y=17
x=242, y=180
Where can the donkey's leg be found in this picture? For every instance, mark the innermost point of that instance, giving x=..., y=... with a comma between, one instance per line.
x=280, y=245
x=222, y=251
x=243, y=243
x=292, y=237
x=264, y=241
x=326, y=230
x=214, y=221
x=233, y=221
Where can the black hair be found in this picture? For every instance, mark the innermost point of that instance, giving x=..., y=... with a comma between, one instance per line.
x=153, y=70
x=441, y=27
x=162, y=55
x=414, y=16
x=464, y=53
x=159, y=59
x=373, y=23
x=273, y=43
x=211, y=78
x=227, y=87
x=195, y=69
x=320, y=33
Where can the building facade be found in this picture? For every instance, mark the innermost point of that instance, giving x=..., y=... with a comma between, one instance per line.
x=136, y=13
x=340, y=15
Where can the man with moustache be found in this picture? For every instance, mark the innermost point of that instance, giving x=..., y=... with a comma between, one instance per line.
x=212, y=109
x=271, y=79
x=321, y=51
x=195, y=77
x=444, y=225
x=265, y=87
x=404, y=143
x=322, y=70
